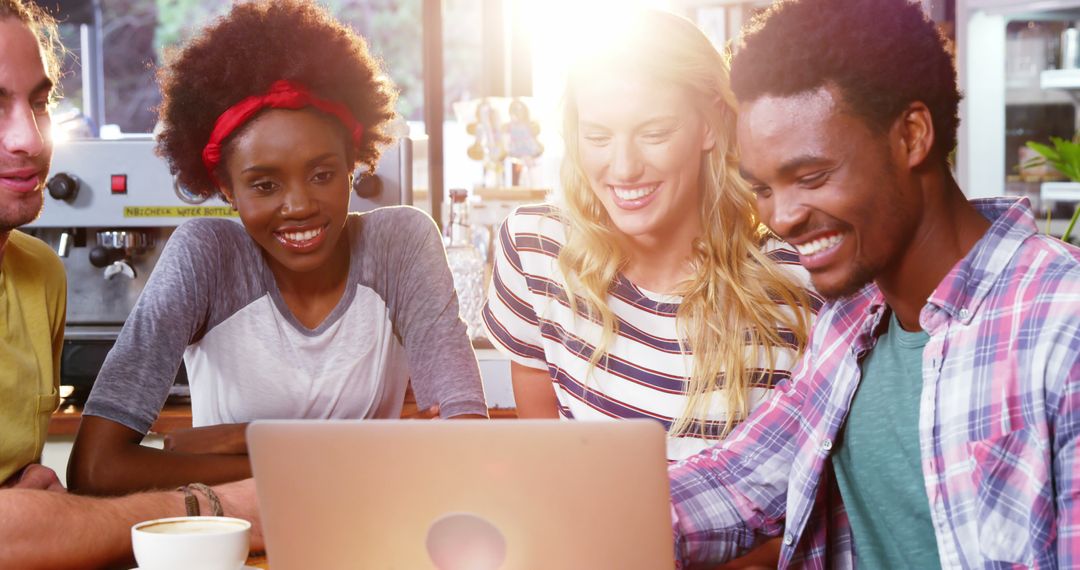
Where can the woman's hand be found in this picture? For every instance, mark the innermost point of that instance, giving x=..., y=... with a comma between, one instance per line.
x=428, y=414
x=432, y=413
x=226, y=439
x=239, y=500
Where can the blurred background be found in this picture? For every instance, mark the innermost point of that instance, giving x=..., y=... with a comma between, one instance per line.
x=480, y=86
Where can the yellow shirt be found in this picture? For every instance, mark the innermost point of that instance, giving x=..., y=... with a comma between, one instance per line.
x=33, y=300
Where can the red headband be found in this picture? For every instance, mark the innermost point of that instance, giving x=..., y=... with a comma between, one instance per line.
x=283, y=94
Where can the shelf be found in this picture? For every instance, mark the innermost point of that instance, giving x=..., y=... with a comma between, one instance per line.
x=507, y=194
x=1060, y=191
x=513, y=194
x=1037, y=96
x=1060, y=79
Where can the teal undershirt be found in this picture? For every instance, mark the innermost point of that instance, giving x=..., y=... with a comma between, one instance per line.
x=877, y=462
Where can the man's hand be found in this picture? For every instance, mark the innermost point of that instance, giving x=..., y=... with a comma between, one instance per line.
x=35, y=476
x=227, y=439
x=240, y=501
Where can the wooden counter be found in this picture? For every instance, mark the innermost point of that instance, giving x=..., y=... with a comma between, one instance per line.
x=65, y=421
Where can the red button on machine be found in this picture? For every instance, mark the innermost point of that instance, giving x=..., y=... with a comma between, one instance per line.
x=119, y=183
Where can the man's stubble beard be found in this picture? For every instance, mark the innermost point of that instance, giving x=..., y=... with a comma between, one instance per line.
x=22, y=211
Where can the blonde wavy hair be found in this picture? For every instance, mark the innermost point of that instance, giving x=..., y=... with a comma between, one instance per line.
x=730, y=308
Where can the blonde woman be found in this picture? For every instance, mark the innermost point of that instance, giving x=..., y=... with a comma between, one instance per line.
x=683, y=309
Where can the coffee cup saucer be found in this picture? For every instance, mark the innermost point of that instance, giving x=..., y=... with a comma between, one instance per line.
x=241, y=568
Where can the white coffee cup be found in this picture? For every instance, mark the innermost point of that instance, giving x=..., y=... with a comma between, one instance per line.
x=183, y=543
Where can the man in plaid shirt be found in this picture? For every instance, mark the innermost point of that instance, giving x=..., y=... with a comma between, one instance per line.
x=933, y=419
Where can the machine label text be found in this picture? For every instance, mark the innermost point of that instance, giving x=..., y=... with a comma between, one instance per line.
x=179, y=212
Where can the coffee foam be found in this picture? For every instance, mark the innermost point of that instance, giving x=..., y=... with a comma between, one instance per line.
x=192, y=527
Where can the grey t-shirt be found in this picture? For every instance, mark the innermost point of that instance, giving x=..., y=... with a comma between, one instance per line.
x=213, y=301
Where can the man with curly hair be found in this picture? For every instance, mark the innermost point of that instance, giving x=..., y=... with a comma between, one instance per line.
x=33, y=288
x=302, y=311
x=933, y=420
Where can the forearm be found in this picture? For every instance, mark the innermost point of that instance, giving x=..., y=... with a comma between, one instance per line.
x=42, y=529
x=707, y=524
x=139, y=468
x=531, y=412
x=107, y=459
x=534, y=394
x=728, y=499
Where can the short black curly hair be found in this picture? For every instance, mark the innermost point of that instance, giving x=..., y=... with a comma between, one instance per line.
x=881, y=54
x=242, y=54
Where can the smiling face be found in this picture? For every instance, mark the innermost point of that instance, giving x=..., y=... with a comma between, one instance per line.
x=829, y=184
x=640, y=144
x=25, y=141
x=287, y=174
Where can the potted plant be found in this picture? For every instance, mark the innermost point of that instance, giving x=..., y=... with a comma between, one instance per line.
x=1065, y=157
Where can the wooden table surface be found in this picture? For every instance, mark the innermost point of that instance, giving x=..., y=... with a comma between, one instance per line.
x=173, y=417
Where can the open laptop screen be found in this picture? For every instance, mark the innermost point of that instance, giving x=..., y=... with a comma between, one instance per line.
x=469, y=494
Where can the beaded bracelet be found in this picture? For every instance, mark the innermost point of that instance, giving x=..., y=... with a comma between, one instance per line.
x=191, y=502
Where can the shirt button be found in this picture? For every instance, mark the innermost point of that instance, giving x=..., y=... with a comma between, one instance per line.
x=788, y=539
x=964, y=314
x=826, y=445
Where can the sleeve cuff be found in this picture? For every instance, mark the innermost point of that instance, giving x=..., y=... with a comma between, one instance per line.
x=462, y=408
x=126, y=420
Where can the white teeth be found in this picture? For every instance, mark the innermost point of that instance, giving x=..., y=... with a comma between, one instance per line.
x=627, y=194
x=301, y=236
x=819, y=245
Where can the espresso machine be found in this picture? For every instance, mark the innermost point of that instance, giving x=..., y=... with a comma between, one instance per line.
x=111, y=206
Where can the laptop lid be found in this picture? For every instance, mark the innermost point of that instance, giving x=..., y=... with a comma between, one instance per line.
x=476, y=495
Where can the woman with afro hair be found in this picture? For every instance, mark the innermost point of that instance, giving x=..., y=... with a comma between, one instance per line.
x=304, y=310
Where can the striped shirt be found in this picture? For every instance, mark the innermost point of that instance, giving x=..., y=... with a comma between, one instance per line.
x=644, y=371
x=999, y=420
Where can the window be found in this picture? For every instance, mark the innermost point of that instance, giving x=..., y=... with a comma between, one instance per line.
x=136, y=33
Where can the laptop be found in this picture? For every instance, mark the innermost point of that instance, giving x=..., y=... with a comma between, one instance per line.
x=463, y=494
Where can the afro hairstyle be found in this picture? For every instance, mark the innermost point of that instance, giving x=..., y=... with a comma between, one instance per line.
x=881, y=54
x=247, y=50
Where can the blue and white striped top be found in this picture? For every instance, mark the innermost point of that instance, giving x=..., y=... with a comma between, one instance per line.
x=645, y=371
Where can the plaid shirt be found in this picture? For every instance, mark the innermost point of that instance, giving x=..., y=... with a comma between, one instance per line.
x=999, y=419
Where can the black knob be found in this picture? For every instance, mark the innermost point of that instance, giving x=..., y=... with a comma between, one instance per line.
x=103, y=256
x=368, y=186
x=63, y=187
